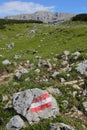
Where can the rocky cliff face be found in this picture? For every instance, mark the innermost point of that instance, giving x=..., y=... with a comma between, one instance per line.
x=46, y=17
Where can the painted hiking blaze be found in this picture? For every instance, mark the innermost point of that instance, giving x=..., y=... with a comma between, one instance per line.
x=41, y=102
x=35, y=104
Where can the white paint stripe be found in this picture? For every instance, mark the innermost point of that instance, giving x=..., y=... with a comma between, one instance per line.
x=42, y=102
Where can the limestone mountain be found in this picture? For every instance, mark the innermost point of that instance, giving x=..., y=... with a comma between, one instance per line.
x=45, y=16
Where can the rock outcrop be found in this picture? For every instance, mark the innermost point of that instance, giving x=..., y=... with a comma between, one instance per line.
x=45, y=16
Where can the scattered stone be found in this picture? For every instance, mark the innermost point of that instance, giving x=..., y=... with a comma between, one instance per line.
x=85, y=92
x=62, y=80
x=82, y=67
x=76, y=86
x=15, y=123
x=68, y=75
x=35, y=104
x=46, y=64
x=74, y=112
x=76, y=55
x=85, y=107
x=16, y=57
x=17, y=75
x=8, y=105
x=20, y=72
x=73, y=82
x=11, y=45
x=60, y=126
x=28, y=62
x=27, y=79
x=66, y=53
x=6, y=62
x=23, y=71
x=74, y=94
x=37, y=57
x=4, y=98
x=65, y=103
x=64, y=62
x=32, y=31
x=55, y=74
x=54, y=90
x=37, y=70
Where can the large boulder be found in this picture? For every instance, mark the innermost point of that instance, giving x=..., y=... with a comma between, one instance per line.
x=35, y=104
x=15, y=123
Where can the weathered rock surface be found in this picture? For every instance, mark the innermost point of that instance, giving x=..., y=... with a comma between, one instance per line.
x=44, y=16
x=35, y=104
x=60, y=126
x=82, y=67
x=15, y=123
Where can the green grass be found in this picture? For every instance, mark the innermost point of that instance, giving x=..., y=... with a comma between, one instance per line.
x=49, y=41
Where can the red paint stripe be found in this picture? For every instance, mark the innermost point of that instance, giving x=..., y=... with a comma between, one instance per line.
x=42, y=97
x=42, y=107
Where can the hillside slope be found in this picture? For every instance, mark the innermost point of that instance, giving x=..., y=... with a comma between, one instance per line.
x=62, y=47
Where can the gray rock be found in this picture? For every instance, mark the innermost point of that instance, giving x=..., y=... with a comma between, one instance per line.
x=16, y=57
x=23, y=71
x=46, y=64
x=54, y=90
x=82, y=67
x=85, y=107
x=85, y=92
x=74, y=94
x=60, y=126
x=55, y=74
x=66, y=53
x=19, y=73
x=15, y=123
x=37, y=70
x=6, y=62
x=76, y=55
x=65, y=62
x=35, y=104
x=11, y=45
x=62, y=80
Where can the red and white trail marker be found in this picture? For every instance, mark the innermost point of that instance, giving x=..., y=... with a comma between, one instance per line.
x=41, y=102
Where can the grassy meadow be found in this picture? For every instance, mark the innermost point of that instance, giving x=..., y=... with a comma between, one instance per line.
x=32, y=40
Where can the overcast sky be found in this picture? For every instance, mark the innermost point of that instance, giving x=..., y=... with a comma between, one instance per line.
x=13, y=7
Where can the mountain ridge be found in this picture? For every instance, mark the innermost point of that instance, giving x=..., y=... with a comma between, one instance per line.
x=44, y=16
